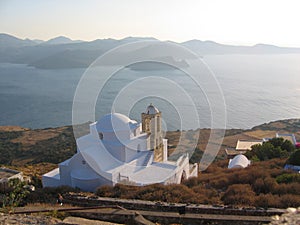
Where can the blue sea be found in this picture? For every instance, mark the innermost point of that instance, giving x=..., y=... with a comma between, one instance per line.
x=257, y=89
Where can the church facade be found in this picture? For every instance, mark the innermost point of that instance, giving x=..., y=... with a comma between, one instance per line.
x=121, y=150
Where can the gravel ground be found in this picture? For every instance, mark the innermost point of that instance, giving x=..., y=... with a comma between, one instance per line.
x=7, y=219
x=291, y=217
x=22, y=219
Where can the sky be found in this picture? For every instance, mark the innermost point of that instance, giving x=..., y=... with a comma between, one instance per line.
x=237, y=22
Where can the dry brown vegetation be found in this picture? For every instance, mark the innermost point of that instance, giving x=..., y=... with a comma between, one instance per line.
x=254, y=186
x=28, y=147
x=31, y=137
x=12, y=128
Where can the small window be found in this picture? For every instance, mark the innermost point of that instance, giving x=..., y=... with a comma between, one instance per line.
x=101, y=135
x=83, y=162
x=138, y=148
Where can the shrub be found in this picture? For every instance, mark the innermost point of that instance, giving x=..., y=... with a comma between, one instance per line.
x=294, y=159
x=267, y=200
x=191, y=182
x=48, y=194
x=259, y=186
x=255, y=185
x=219, y=182
x=288, y=178
x=15, y=194
x=274, y=148
x=239, y=194
x=289, y=200
x=105, y=191
x=292, y=188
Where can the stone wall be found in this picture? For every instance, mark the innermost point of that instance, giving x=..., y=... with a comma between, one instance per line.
x=81, y=200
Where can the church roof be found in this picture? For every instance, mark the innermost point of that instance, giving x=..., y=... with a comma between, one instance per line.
x=246, y=145
x=115, y=122
x=289, y=137
x=151, y=109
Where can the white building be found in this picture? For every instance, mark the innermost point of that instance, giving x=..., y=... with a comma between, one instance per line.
x=289, y=137
x=119, y=149
x=239, y=161
x=242, y=146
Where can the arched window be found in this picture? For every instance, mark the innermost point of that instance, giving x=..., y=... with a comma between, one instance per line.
x=138, y=148
x=158, y=124
x=101, y=135
x=147, y=125
x=183, y=176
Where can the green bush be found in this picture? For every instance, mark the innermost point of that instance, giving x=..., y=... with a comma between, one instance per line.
x=274, y=148
x=294, y=159
x=288, y=178
x=15, y=194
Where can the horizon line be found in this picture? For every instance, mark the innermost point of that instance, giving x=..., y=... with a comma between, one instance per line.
x=150, y=37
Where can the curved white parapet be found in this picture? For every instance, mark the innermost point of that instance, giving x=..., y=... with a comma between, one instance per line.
x=51, y=179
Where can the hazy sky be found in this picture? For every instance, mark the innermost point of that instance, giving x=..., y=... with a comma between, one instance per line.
x=236, y=22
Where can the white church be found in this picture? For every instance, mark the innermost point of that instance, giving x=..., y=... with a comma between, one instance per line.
x=121, y=150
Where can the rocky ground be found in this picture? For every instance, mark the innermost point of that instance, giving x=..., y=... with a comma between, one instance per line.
x=6, y=219
x=291, y=217
x=21, y=219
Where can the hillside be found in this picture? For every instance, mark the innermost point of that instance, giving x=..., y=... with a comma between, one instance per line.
x=263, y=184
x=22, y=147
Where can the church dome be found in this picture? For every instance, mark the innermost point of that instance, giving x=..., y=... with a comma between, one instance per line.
x=151, y=109
x=115, y=122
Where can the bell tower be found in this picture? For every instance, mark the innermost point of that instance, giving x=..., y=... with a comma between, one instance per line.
x=151, y=124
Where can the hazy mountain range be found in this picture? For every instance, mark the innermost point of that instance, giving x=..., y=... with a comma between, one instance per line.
x=62, y=52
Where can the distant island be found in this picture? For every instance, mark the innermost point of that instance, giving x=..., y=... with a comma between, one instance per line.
x=151, y=65
x=63, y=53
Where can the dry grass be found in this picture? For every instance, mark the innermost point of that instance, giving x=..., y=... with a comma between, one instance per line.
x=36, y=169
x=31, y=137
x=259, y=134
x=12, y=128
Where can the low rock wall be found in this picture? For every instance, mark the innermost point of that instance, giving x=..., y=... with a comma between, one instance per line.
x=80, y=200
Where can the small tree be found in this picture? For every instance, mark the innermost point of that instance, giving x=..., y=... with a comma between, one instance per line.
x=274, y=148
x=15, y=193
x=239, y=194
x=294, y=159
